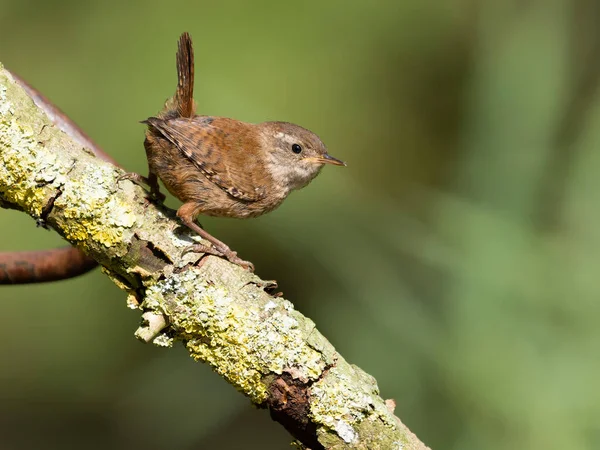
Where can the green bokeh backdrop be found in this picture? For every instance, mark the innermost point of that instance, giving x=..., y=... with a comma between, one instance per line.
x=455, y=258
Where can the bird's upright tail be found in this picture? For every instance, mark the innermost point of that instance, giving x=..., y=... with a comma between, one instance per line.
x=184, y=96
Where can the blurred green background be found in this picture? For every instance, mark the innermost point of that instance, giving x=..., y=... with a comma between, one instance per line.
x=455, y=258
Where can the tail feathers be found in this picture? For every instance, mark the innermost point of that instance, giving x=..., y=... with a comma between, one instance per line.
x=184, y=96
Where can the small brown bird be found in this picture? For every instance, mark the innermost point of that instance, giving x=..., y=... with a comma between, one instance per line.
x=223, y=167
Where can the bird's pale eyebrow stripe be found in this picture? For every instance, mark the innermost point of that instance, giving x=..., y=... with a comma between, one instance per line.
x=287, y=138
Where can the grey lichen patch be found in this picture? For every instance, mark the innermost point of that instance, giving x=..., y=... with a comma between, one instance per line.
x=168, y=237
x=344, y=401
x=242, y=341
x=162, y=340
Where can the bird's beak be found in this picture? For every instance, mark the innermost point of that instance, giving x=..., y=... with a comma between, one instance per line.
x=326, y=159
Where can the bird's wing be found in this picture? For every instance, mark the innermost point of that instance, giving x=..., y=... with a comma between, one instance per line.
x=221, y=156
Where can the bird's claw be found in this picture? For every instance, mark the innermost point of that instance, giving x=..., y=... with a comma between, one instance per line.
x=228, y=254
x=142, y=181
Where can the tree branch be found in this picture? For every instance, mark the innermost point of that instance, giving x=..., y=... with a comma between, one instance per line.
x=224, y=315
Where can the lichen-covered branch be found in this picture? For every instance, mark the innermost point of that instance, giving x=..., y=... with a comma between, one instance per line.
x=224, y=315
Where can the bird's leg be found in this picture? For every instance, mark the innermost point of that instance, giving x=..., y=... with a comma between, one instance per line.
x=151, y=181
x=187, y=212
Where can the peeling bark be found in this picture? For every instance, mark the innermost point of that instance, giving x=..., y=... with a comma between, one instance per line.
x=224, y=315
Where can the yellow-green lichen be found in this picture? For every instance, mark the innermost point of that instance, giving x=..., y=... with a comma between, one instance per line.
x=242, y=341
x=92, y=208
x=19, y=159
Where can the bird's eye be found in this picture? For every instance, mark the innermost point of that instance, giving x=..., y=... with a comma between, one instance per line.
x=296, y=148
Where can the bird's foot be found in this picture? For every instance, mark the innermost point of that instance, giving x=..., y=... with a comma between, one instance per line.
x=143, y=181
x=226, y=253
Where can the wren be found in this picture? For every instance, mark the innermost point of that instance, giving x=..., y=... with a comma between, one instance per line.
x=224, y=167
